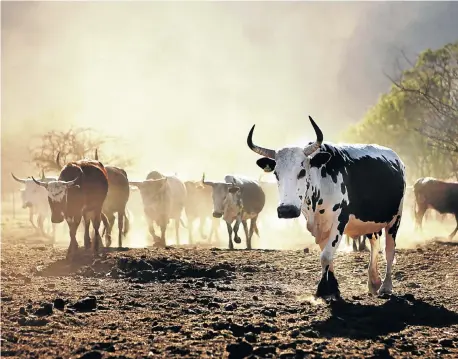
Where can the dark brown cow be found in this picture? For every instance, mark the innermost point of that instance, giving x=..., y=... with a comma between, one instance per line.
x=436, y=194
x=79, y=192
x=199, y=205
x=116, y=201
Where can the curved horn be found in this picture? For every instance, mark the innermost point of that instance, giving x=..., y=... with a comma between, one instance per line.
x=259, y=150
x=206, y=183
x=136, y=183
x=58, y=160
x=96, y=156
x=70, y=183
x=319, y=139
x=20, y=180
x=40, y=183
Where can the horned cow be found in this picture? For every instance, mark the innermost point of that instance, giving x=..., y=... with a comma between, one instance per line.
x=340, y=189
x=237, y=199
x=79, y=192
x=163, y=199
x=35, y=198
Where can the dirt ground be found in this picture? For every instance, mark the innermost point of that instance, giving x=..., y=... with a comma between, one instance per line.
x=199, y=303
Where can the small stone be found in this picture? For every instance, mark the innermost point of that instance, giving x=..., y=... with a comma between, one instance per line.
x=59, y=304
x=306, y=250
x=250, y=337
x=255, y=297
x=86, y=304
x=91, y=355
x=22, y=311
x=448, y=343
x=294, y=333
x=230, y=307
x=46, y=309
x=239, y=350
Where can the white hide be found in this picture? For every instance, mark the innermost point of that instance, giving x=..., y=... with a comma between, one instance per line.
x=57, y=190
x=37, y=196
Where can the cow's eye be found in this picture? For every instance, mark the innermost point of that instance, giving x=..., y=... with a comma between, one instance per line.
x=276, y=175
x=301, y=174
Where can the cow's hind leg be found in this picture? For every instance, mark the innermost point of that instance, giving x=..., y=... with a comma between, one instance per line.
x=390, y=235
x=201, y=227
x=247, y=234
x=177, y=230
x=121, y=216
x=374, y=282
x=87, y=236
x=450, y=237
x=97, y=242
x=108, y=222
x=190, y=228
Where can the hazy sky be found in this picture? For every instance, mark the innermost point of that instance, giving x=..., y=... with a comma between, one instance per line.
x=182, y=83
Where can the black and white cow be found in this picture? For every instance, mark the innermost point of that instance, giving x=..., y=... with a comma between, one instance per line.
x=340, y=189
x=237, y=199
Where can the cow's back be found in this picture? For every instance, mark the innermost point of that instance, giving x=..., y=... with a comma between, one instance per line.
x=440, y=195
x=118, y=189
x=93, y=182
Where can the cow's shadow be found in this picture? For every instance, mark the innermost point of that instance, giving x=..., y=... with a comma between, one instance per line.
x=359, y=321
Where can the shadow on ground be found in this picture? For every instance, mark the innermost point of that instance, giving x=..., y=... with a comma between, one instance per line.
x=359, y=321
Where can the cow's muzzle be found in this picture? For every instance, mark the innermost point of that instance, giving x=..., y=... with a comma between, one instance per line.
x=217, y=214
x=27, y=205
x=57, y=218
x=288, y=211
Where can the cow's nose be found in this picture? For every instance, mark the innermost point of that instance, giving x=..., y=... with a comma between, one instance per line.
x=217, y=214
x=288, y=211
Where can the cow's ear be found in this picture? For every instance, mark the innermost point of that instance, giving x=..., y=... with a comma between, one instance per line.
x=267, y=164
x=233, y=189
x=320, y=159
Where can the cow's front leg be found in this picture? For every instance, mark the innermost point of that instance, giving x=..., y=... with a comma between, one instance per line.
x=97, y=242
x=237, y=239
x=374, y=282
x=328, y=288
x=201, y=227
x=163, y=227
x=229, y=231
x=31, y=217
x=73, y=223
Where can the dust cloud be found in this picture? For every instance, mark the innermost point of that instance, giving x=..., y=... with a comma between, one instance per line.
x=181, y=83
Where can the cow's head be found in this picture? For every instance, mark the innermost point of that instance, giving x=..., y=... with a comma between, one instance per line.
x=222, y=194
x=57, y=196
x=151, y=190
x=32, y=193
x=292, y=167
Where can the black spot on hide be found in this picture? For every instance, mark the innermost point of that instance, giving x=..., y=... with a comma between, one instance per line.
x=342, y=188
x=343, y=217
x=320, y=201
x=336, y=207
x=334, y=242
x=321, y=211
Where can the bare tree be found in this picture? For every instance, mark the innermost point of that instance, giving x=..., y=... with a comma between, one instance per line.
x=72, y=145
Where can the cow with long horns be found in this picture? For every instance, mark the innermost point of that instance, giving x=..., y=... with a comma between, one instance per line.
x=116, y=201
x=340, y=189
x=163, y=199
x=237, y=199
x=79, y=192
x=35, y=198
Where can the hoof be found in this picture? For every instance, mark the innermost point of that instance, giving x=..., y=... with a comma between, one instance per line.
x=374, y=286
x=237, y=240
x=328, y=288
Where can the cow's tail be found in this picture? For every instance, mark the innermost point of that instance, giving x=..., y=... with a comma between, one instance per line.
x=182, y=223
x=256, y=229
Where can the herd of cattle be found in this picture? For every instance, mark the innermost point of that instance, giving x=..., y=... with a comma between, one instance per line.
x=353, y=190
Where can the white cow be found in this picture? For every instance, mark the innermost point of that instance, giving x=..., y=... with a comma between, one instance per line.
x=35, y=198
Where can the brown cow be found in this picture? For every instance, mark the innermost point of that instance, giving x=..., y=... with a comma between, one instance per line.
x=199, y=205
x=79, y=192
x=115, y=202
